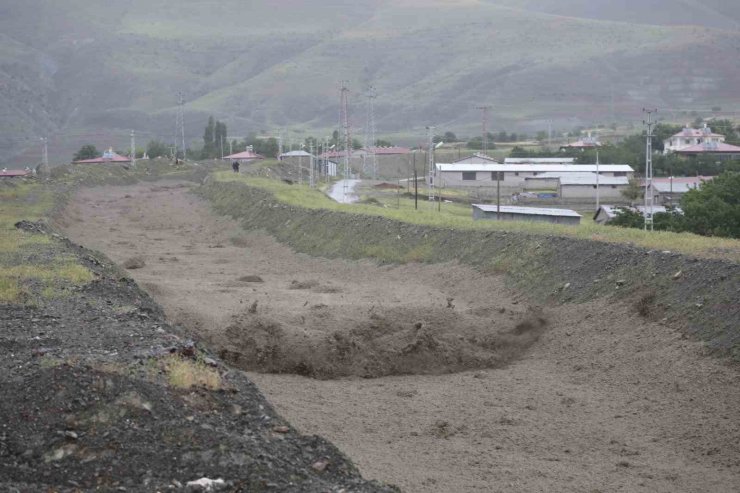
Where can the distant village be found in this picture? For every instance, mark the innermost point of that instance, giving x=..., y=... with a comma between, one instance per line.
x=545, y=189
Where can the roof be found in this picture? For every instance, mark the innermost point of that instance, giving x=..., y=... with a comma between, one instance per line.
x=477, y=156
x=710, y=148
x=295, y=154
x=531, y=211
x=678, y=184
x=582, y=178
x=108, y=157
x=12, y=173
x=333, y=154
x=539, y=160
x=611, y=211
x=245, y=155
x=387, y=151
x=696, y=132
x=538, y=168
x=588, y=142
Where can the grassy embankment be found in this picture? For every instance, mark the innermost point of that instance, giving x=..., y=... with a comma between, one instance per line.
x=32, y=266
x=458, y=216
x=35, y=267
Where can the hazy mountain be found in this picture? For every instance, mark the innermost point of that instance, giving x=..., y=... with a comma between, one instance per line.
x=89, y=70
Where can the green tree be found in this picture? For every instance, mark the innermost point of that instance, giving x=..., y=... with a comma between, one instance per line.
x=86, y=152
x=633, y=192
x=220, y=138
x=541, y=136
x=383, y=143
x=449, y=137
x=714, y=208
x=156, y=148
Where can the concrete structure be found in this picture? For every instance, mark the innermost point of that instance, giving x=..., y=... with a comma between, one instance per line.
x=513, y=176
x=108, y=157
x=540, y=160
x=578, y=186
x=689, y=137
x=294, y=154
x=532, y=214
x=244, y=157
x=476, y=159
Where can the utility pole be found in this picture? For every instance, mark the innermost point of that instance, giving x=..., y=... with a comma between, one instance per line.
x=430, y=157
x=549, y=134
x=180, y=125
x=45, y=156
x=312, y=160
x=598, y=204
x=371, y=168
x=344, y=121
x=649, y=197
x=133, y=149
x=222, y=148
x=484, y=109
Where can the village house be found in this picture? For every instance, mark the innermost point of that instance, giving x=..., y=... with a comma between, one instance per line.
x=244, y=157
x=584, y=144
x=607, y=213
x=691, y=137
x=718, y=150
x=670, y=190
x=477, y=158
x=108, y=157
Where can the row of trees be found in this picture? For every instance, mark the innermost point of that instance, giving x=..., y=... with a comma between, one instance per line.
x=711, y=210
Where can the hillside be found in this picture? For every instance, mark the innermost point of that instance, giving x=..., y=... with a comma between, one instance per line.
x=87, y=72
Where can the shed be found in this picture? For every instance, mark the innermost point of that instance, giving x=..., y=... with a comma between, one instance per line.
x=244, y=157
x=15, y=173
x=532, y=214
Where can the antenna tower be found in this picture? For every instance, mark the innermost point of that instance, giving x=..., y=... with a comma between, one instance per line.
x=344, y=122
x=484, y=109
x=370, y=168
x=649, y=197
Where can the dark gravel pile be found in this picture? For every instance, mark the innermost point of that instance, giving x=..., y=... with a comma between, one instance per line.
x=87, y=406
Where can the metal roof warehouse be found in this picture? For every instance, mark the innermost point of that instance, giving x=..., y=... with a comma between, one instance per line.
x=517, y=213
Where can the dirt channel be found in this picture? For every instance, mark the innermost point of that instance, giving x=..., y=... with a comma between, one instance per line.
x=472, y=389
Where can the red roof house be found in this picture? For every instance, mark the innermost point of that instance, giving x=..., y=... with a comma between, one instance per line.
x=14, y=173
x=710, y=148
x=244, y=156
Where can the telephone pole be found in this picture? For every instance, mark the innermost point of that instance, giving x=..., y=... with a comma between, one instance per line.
x=484, y=109
x=45, y=155
x=649, y=197
x=133, y=149
x=180, y=124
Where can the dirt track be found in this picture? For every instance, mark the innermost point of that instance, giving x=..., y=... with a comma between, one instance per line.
x=573, y=398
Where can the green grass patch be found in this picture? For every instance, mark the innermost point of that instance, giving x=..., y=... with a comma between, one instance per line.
x=459, y=216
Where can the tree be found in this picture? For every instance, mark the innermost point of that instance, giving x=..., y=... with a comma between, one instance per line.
x=383, y=143
x=220, y=137
x=541, y=136
x=208, y=138
x=714, y=208
x=633, y=191
x=449, y=137
x=86, y=152
x=726, y=128
x=156, y=148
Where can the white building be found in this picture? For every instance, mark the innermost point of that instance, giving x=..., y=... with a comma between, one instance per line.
x=532, y=214
x=477, y=158
x=514, y=176
x=608, y=212
x=689, y=137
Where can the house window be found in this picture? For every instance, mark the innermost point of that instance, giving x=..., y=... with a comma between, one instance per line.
x=620, y=173
x=614, y=186
x=499, y=173
x=469, y=176
x=516, y=174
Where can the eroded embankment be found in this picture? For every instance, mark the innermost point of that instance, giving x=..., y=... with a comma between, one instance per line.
x=696, y=295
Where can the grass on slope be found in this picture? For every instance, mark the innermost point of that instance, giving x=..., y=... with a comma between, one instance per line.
x=457, y=216
x=31, y=266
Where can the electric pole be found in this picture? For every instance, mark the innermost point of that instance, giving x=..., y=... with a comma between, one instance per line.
x=649, y=197
x=180, y=124
x=344, y=121
x=484, y=109
x=430, y=157
x=133, y=149
x=45, y=155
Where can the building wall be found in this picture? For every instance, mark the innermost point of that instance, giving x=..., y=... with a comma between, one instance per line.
x=606, y=192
